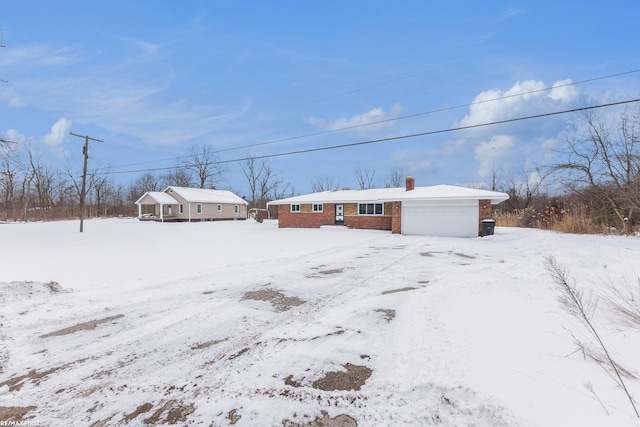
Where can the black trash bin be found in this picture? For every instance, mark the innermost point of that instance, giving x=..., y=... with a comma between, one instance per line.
x=488, y=227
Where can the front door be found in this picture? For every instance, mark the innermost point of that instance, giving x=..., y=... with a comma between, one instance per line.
x=339, y=214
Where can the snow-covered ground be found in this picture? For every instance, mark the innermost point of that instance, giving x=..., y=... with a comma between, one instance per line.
x=240, y=323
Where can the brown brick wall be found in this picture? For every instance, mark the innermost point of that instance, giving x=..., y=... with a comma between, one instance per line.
x=485, y=213
x=368, y=222
x=305, y=218
x=396, y=217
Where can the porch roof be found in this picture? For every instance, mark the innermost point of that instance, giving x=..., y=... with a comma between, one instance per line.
x=156, y=197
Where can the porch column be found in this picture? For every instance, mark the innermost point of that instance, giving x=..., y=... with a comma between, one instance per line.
x=140, y=211
x=161, y=212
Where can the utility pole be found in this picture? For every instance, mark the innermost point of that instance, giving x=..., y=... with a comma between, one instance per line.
x=85, y=151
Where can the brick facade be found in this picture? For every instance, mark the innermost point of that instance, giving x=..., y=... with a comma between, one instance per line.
x=484, y=207
x=391, y=220
x=306, y=218
x=368, y=222
x=396, y=217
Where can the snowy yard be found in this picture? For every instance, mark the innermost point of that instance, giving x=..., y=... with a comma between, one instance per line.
x=240, y=323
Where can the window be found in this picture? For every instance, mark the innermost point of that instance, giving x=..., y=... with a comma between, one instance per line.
x=199, y=208
x=181, y=208
x=295, y=208
x=219, y=207
x=237, y=209
x=370, y=209
x=317, y=207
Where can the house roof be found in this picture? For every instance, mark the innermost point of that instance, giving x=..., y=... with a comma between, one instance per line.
x=158, y=197
x=434, y=192
x=205, y=195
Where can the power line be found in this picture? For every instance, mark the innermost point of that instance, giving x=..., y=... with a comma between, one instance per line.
x=439, y=110
x=394, y=138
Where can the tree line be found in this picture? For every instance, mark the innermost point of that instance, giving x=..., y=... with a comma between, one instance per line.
x=596, y=182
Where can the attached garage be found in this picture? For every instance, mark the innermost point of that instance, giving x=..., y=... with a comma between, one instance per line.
x=437, y=210
x=454, y=218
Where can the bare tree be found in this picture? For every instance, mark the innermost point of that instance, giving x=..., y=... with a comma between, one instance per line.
x=395, y=178
x=605, y=158
x=325, y=183
x=522, y=187
x=365, y=177
x=99, y=185
x=9, y=176
x=204, y=163
x=178, y=177
x=43, y=181
x=582, y=307
x=261, y=179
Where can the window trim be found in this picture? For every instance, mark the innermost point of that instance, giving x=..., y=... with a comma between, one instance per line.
x=373, y=205
x=181, y=208
x=317, y=207
x=219, y=208
x=294, y=207
x=199, y=208
x=236, y=209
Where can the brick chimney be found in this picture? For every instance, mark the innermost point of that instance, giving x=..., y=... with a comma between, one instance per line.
x=410, y=183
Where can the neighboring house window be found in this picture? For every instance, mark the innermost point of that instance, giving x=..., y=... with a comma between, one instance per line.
x=317, y=207
x=295, y=208
x=181, y=208
x=199, y=209
x=237, y=209
x=370, y=208
x=219, y=208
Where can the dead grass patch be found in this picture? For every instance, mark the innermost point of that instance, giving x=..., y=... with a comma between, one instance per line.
x=14, y=413
x=341, y=420
x=352, y=378
x=408, y=288
x=389, y=314
x=172, y=412
x=461, y=255
x=34, y=375
x=142, y=409
x=278, y=300
x=200, y=346
x=332, y=271
x=86, y=326
x=232, y=417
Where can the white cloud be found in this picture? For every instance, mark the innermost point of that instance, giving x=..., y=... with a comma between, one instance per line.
x=58, y=133
x=360, y=121
x=564, y=91
x=525, y=98
x=35, y=55
x=489, y=153
x=16, y=102
x=15, y=136
x=494, y=105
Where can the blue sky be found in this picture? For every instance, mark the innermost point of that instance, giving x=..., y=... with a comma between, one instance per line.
x=151, y=78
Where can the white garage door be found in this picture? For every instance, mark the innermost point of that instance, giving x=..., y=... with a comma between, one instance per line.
x=455, y=218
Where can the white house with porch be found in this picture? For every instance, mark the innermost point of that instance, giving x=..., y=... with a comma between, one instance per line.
x=184, y=204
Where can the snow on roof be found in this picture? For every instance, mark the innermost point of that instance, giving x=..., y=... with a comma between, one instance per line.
x=158, y=197
x=206, y=195
x=434, y=192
